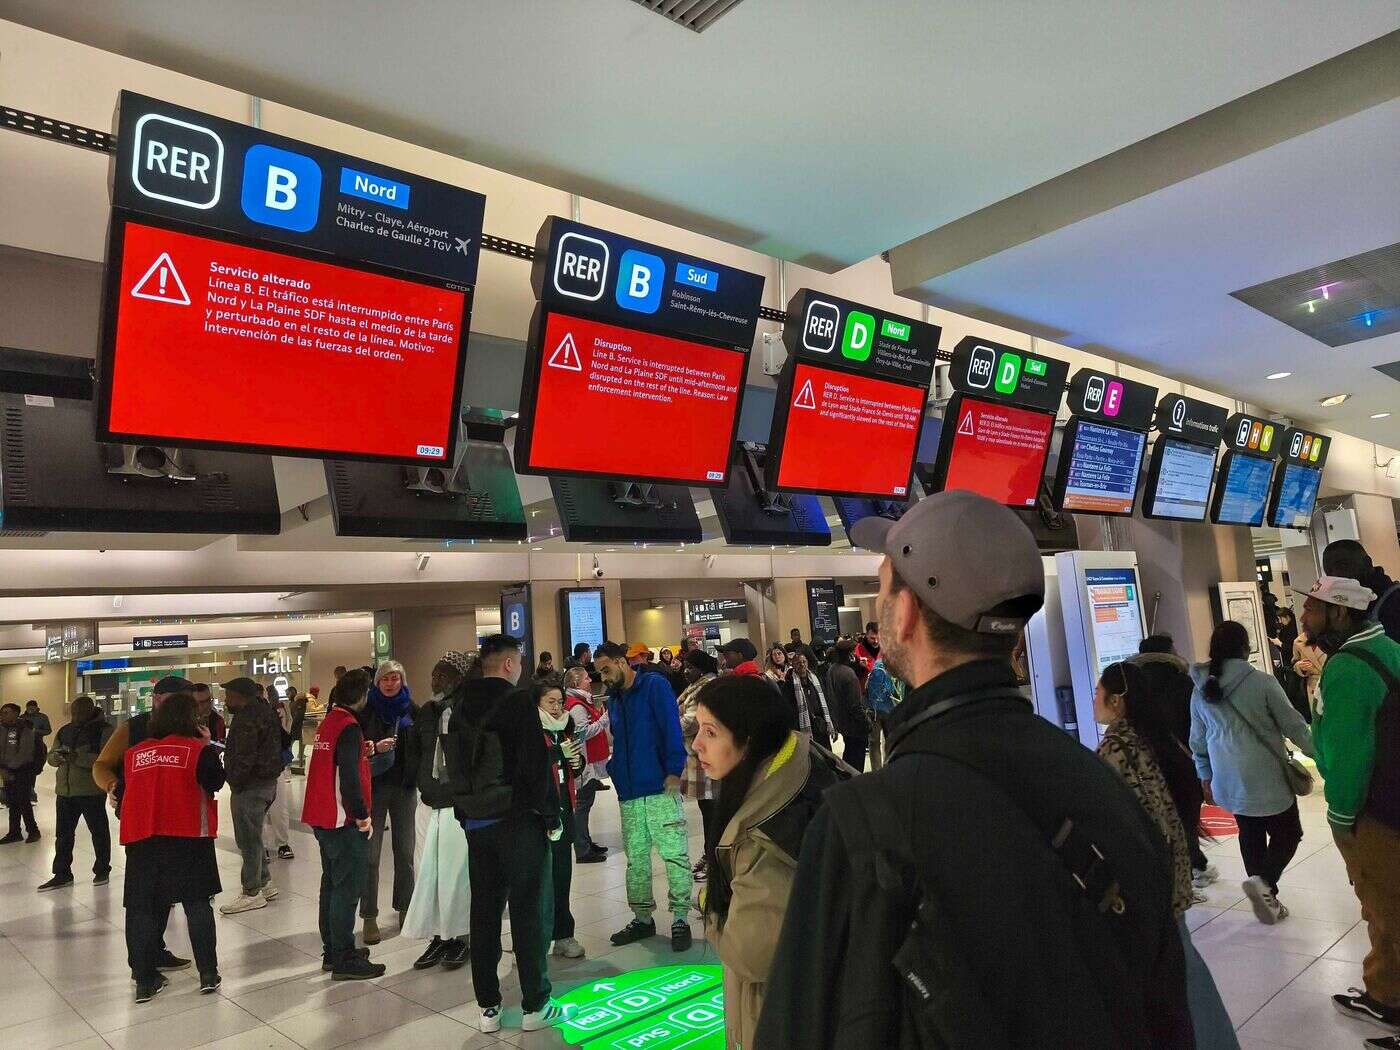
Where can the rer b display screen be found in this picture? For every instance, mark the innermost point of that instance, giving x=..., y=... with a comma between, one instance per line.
x=1099, y=468
x=1292, y=505
x=1243, y=490
x=605, y=401
x=847, y=435
x=1179, y=486
x=204, y=337
x=994, y=449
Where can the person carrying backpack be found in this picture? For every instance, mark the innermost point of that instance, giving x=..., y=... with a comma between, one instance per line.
x=1356, y=731
x=995, y=885
x=1347, y=558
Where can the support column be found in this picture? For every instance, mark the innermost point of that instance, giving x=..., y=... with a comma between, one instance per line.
x=1375, y=525
x=419, y=636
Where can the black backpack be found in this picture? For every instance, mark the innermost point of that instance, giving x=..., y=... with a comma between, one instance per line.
x=1383, y=798
x=480, y=791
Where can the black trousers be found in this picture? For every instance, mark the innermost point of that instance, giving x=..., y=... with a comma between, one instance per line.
x=856, y=746
x=510, y=862
x=707, y=822
x=562, y=875
x=1268, y=844
x=583, y=836
x=145, y=938
x=70, y=810
x=19, y=796
x=344, y=867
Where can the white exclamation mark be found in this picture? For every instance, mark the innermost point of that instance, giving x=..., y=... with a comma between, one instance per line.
x=162, y=280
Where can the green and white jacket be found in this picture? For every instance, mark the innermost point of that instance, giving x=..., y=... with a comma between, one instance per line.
x=1344, y=725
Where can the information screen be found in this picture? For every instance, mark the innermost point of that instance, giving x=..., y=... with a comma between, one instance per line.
x=1099, y=468
x=1297, y=492
x=1115, y=613
x=610, y=401
x=1182, y=481
x=997, y=450
x=1244, y=490
x=584, y=617
x=848, y=435
x=209, y=342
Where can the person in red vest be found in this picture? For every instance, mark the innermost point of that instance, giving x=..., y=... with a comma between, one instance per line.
x=337, y=809
x=590, y=718
x=169, y=821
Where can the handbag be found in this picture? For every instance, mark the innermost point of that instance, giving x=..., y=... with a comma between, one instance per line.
x=1298, y=776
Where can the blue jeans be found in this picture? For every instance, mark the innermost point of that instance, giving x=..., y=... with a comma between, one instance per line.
x=1210, y=1019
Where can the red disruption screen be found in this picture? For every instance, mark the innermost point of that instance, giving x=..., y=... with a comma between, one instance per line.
x=614, y=401
x=998, y=451
x=236, y=346
x=849, y=435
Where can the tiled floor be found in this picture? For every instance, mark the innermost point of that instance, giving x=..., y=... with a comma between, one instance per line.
x=64, y=981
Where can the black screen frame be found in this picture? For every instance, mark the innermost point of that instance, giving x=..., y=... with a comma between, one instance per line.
x=529, y=385
x=1271, y=509
x=947, y=436
x=1068, y=443
x=107, y=348
x=1154, y=471
x=1222, y=475
x=566, y=649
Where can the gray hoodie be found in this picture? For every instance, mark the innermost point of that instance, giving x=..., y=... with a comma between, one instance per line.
x=1245, y=775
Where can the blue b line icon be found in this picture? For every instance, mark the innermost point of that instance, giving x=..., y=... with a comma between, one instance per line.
x=665, y=1008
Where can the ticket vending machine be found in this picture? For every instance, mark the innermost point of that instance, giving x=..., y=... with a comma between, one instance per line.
x=1047, y=659
x=1101, y=604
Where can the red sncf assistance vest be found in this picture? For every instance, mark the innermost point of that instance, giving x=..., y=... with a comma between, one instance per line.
x=324, y=808
x=595, y=748
x=161, y=794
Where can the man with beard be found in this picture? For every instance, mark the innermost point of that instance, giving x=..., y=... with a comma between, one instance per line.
x=995, y=884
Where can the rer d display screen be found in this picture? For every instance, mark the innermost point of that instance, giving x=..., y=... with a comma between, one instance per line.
x=1292, y=507
x=1243, y=490
x=605, y=401
x=1099, y=469
x=994, y=449
x=847, y=435
x=205, y=337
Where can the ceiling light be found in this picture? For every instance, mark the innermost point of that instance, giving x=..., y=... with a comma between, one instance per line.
x=1380, y=415
x=1312, y=309
x=537, y=548
x=1278, y=375
x=1332, y=400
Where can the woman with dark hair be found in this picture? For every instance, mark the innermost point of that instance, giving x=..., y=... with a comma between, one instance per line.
x=776, y=667
x=169, y=821
x=770, y=786
x=1239, y=719
x=1139, y=746
x=566, y=762
x=700, y=669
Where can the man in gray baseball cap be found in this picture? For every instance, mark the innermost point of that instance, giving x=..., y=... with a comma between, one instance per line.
x=995, y=883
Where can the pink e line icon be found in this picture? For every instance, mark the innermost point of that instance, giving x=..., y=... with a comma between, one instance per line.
x=1113, y=399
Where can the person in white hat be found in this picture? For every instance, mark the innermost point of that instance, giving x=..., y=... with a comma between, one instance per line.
x=1357, y=734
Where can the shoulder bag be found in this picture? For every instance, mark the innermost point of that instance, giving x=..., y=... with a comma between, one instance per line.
x=1298, y=776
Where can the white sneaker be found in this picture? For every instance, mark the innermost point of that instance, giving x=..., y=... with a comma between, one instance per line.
x=1197, y=897
x=269, y=892
x=552, y=1014
x=1203, y=878
x=242, y=903
x=1267, y=909
x=490, y=1020
x=569, y=948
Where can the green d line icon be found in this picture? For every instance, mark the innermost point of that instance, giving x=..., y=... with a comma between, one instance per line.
x=1008, y=373
x=896, y=330
x=858, y=337
x=662, y=1008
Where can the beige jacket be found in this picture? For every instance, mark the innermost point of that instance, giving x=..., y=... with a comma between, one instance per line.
x=761, y=875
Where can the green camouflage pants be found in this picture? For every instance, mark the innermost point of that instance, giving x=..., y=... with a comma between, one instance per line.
x=656, y=820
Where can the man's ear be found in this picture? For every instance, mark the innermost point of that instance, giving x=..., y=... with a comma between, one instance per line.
x=906, y=614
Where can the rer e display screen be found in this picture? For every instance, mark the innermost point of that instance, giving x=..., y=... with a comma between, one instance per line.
x=1101, y=475
x=998, y=451
x=202, y=334
x=1183, y=481
x=1245, y=491
x=612, y=401
x=835, y=416
x=1296, y=495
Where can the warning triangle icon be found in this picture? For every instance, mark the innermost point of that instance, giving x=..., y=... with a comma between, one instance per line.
x=566, y=355
x=162, y=283
x=805, y=397
x=965, y=427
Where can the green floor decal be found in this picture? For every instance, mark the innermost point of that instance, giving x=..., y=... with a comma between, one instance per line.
x=663, y=1008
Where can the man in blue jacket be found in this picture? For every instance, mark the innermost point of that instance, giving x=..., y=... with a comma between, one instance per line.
x=646, y=766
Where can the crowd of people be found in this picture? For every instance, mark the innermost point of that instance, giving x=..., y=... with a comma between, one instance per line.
x=844, y=905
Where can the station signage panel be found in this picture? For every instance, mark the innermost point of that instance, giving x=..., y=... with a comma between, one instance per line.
x=1112, y=399
x=1253, y=435
x=160, y=641
x=69, y=640
x=191, y=166
x=831, y=331
x=993, y=448
x=716, y=610
x=596, y=273
x=1099, y=468
x=996, y=372
x=1305, y=448
x=1191, y=419
x=824, y=611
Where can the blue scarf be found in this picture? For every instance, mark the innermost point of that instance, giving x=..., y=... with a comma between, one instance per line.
x=392, y=711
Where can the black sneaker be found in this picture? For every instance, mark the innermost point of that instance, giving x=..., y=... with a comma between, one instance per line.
x=596, y=857
x=437, y=948
x=680, y=935
x=1361, y=1006
x=56, y=883
x=13, y=836
x=635, y=931
x=167, y=962
x=458, y=953
x=101, y=880
x=701, y=871
x=33, y=836
x=328, y=964
x=285, y=853
x=354, y=967
x=148, y=990
x=1385, y=1042
x=209, y=983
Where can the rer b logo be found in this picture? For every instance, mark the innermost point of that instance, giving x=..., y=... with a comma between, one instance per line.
x=819, y=328
x=177, y=162
x=281, y=188
x=858, y=336
x=639, y=279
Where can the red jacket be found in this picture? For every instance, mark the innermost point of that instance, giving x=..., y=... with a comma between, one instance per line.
x=749, y=667
x=595, y=748
x=325, y=806
x=161, y=795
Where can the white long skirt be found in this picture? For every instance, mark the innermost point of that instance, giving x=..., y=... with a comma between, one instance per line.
x=441, y=905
